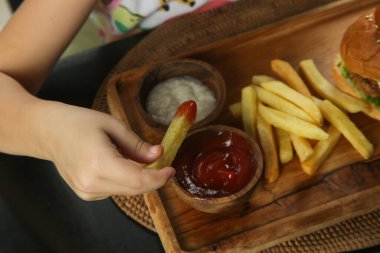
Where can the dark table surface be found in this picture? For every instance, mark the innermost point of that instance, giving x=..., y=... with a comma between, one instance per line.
x=38, y=211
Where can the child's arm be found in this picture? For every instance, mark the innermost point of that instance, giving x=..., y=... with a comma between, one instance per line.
x=87, y=147
x=36, y=35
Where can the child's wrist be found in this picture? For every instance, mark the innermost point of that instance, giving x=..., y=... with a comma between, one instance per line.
x=38, y=118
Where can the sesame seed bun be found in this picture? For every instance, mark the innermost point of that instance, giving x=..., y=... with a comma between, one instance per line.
x=356, y=69
x=360, y=47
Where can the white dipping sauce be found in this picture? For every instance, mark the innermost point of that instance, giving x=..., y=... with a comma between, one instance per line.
x=165, y=97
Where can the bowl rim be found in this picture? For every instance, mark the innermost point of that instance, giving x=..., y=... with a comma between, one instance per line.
x=249, y=186
x=220, y=101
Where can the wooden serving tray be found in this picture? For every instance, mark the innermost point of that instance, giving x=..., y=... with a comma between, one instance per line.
x=345, y=186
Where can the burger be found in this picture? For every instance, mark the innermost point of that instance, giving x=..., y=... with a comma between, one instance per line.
x=357, y=66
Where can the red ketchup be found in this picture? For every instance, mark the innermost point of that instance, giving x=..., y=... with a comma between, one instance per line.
x=214, y=163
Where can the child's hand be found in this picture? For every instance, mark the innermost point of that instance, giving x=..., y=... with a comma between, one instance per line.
x=91, y=150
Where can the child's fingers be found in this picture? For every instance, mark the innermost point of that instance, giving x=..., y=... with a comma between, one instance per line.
x=144, y=183
x=133, y=146
x=130, y=175
x=119, y=177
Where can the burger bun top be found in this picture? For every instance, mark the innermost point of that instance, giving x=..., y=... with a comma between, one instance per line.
x=360, y=47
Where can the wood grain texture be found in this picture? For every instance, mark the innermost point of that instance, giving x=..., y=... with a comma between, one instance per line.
x=345, y=186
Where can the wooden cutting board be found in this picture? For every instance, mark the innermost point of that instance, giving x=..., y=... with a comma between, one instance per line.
x=345, y=186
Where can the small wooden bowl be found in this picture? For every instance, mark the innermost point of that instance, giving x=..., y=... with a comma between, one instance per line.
x=196, y=69
x=224, y=203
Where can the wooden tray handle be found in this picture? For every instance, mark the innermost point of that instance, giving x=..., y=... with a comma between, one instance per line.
x=114, y=103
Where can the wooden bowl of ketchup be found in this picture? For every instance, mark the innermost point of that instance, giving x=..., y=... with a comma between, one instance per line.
x=217, y=168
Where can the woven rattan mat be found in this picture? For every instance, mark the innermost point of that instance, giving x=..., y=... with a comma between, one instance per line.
x=199, y=29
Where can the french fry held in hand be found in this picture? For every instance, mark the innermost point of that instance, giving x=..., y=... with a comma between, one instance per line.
x=328, y=91
x=277, y=102
x=290, y=76
x=291, y=124
x=268, y=145
x=249, y=110
x=176, y=133
x=302, y=147
x=321, y=151
x=305, y=103
x=350, y=131
x=285, y=149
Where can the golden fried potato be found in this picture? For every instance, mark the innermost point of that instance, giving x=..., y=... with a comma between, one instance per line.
x=249, y=110
x=290, y=76
x=302, y=147
x=271, y=99
x=305, y=103
x=257, y=79
x=176, y=133
x=235, y=109
x=321, y=151
x=292, y=124
x=328, y=91
x=348, y=128
x=268, y=145
x=285, y=149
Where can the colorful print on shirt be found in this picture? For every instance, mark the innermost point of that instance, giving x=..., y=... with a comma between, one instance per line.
x=118, y=17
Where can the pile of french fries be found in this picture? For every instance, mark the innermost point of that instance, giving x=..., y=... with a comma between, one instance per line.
x=285, y=117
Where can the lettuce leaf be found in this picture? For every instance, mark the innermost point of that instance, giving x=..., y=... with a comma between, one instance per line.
x=345, y=73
